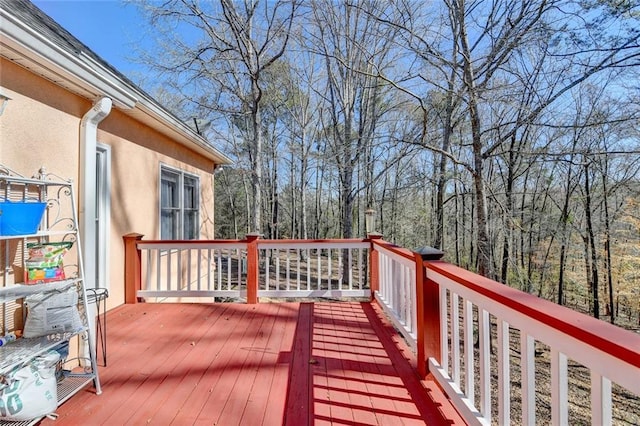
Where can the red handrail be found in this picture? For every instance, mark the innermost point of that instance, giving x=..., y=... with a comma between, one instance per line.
x=613, y=340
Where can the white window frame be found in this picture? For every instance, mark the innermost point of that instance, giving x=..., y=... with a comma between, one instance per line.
x=181, y=177
x=104, y=206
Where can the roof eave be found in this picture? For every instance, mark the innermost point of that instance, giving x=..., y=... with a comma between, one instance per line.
x=85, y=77
x=17, y=36
x=179, y=131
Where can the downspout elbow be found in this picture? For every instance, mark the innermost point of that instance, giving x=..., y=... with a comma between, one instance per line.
x=98, y=112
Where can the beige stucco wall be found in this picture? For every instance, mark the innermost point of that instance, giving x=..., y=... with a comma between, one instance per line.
x=40, y=124
x=137, y=155
x=40, y=128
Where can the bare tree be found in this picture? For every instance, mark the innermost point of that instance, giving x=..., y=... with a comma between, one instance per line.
x=461, y=121
x=352, y=44
x=219, y=61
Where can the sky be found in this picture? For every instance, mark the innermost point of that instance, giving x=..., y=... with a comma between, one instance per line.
x=108, y=27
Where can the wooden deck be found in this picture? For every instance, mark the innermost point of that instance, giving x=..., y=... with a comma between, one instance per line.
x=264, y=364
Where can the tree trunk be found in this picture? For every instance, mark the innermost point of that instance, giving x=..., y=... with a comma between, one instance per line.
x=482, y=232
x=506, y=244
x=256, y=159
x=304, y=231
x=607, y=248
x=442, y=181
x=456, y=223
x=564, y=221
x=592, y=244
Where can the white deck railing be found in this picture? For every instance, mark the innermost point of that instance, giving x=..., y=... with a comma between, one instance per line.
x=326, y=268
x=488, y=330
x=289, y=268
x=397, y=289
x=530, y=334
x=173, y=269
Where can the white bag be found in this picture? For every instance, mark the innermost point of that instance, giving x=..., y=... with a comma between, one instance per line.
x=51, y=313
x=31, y=391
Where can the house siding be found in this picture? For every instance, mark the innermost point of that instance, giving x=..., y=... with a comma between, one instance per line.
x=41, y=128
x=40, y=125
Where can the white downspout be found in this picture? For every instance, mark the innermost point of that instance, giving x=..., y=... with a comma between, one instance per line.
x=87, y=208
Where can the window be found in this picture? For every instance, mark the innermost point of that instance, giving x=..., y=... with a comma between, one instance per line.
x=179, y=205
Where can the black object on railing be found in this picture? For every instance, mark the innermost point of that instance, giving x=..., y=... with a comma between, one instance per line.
x=429, y=253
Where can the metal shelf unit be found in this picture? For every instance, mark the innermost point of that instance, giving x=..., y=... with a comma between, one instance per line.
x=59, y=223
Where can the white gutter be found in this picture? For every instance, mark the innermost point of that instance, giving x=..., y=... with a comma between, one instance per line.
x=87, y=190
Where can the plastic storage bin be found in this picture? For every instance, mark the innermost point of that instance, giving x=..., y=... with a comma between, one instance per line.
x=20, y=217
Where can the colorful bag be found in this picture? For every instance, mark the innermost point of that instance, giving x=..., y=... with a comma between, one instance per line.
x=45, y=262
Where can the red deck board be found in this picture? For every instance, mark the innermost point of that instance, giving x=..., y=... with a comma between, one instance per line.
x=153, y=376
x=298, y=401
x=274, y=414
x=204, y=406
x=428, y=410
x=194, y=381
x=268, y=364
x=239, y=395
x=360, y=367
x=268, y=368
x=138, y=356
x=183, y=370
x=343, y=322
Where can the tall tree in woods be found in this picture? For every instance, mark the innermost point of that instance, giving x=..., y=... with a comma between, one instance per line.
x=278, y=93
x=468, y=52
x=352, y=44
x=215, y=55
x=429, y=78
x=440, y=107
x=485, y=46
x=302, y=112
x=498, y=46
x=617, y=175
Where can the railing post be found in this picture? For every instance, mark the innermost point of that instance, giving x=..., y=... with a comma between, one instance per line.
x=427, y=311
x=132, y=267
x=252, y=267
x=374, y=265
x=421, y=279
